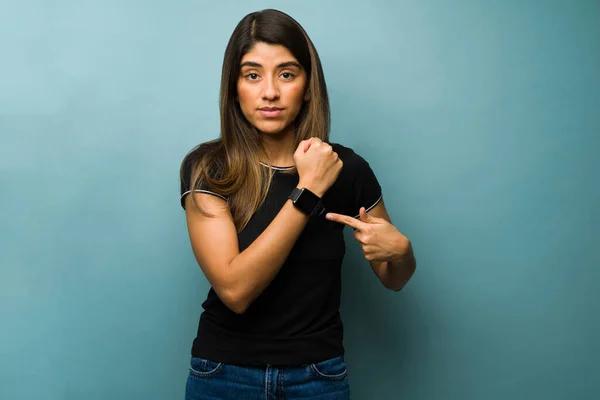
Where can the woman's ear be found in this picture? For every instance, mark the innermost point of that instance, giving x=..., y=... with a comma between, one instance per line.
x=307, y=95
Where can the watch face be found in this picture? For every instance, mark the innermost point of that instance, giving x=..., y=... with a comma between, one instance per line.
x=307, y=201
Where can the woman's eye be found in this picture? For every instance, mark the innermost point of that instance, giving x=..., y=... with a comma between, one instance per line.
x=287, y=75
x=252, y=76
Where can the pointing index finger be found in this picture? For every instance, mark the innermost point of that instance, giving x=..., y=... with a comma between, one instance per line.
x=344, y=219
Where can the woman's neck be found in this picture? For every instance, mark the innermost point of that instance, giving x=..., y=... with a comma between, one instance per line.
x=279, y=149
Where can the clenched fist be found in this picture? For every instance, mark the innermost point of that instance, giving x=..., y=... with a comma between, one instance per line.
x=317, y=164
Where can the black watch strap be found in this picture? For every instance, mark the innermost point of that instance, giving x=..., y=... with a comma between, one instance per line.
x=307, y=202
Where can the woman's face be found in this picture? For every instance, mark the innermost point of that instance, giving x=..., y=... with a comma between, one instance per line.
x=271, y=87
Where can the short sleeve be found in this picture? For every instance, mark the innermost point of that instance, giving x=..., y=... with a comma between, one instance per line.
x=366, y=190
x=187, y=167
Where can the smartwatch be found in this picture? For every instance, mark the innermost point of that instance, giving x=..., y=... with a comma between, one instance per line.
x=307, y=202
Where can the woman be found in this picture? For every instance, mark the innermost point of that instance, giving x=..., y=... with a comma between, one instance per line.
x=266, y=205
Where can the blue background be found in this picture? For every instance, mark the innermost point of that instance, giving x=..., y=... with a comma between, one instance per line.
x=480, y=118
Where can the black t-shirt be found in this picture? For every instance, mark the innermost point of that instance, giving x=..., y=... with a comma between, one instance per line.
x=295, y=320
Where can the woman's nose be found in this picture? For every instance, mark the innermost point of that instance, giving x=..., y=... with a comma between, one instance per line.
x=270, y=90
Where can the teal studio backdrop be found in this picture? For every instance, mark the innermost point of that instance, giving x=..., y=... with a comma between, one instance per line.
x=480, y=118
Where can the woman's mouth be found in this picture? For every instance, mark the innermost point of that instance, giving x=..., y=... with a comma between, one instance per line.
x=270, y=112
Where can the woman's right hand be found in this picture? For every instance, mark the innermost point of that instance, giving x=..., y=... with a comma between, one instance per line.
x=317, y=164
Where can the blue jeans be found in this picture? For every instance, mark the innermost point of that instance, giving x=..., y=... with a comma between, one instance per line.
x=213, y=380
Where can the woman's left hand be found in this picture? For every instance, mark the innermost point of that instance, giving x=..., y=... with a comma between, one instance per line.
x=379, y=239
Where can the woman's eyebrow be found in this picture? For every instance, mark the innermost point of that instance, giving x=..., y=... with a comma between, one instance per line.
x=282, y=65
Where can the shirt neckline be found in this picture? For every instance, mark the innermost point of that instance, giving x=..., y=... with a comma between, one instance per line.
x=277, y=168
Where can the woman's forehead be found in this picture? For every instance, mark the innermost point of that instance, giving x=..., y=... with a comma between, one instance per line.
x=267, y=54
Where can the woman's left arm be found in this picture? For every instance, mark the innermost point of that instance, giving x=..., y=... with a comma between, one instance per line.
x=389, y=252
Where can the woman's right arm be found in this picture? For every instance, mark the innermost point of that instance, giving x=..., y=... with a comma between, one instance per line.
x=239, y=278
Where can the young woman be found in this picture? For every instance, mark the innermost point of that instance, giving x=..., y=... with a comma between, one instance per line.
x=266, y=205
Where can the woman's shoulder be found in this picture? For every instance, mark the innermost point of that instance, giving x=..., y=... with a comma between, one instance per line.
x=212, y=150
x=357, y=181
x=209, y=157
x=349, y=156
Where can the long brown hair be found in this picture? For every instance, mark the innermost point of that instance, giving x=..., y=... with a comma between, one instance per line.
x=230, y=165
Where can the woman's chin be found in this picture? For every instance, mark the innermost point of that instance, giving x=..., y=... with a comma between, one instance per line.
x=272, y=128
